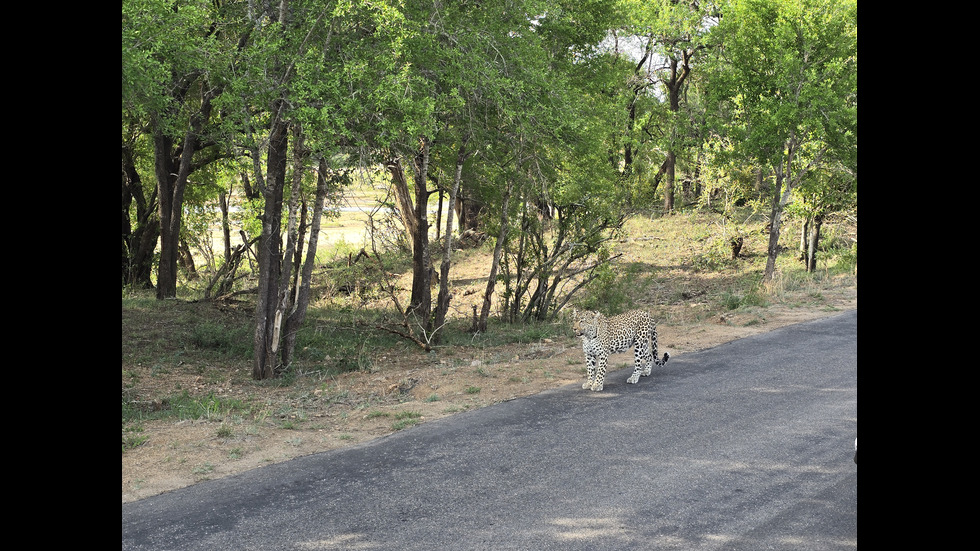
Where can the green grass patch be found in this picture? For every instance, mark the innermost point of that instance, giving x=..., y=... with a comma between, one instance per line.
x=405, y=419
x=183, y=406
x=735, y=299
x=133, y=437
x=203, y=470
x=229, y=341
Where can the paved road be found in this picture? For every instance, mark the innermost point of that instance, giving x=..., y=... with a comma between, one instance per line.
x=746, y=446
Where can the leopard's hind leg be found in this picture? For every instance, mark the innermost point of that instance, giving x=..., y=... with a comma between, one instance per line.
x=651, y=357
x=641, y=358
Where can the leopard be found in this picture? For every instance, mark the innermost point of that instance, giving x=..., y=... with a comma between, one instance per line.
x=602, y=336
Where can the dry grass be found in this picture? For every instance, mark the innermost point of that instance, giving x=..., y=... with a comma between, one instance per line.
x=191, y=410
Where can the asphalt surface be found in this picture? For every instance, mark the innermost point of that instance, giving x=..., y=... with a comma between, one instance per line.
x=746, y=446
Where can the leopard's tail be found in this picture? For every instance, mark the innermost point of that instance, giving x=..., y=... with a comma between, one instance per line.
x=653, y=338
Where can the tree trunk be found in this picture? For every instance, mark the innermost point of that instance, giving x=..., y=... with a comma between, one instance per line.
x=804, y=237
x=812, y=242
x=403, y=197
x=293, y=239
x=295, y=319
x=298, y=253
x=186, y=258
x=171, y=182
x=225, y=224
x=142, y=261
x=679, y=72
x=775, y=219
x=268, y=323
x=139, y=243
x=420, y=304
x=442, y=302
x=515, y=285
x=669, y=182
x=780, y=199
x=167, y=187
x=439, y=212
x=495, y=263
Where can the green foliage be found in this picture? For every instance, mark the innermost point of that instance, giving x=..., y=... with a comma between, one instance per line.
x=847, y=260
x=789, y=73
x=824, y=191
x=613, y=291
x=542, y=102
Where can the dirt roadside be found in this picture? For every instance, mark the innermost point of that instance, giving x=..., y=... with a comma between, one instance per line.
x=398, y=392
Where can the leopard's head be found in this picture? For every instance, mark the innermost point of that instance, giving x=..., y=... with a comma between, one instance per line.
x=584, y=323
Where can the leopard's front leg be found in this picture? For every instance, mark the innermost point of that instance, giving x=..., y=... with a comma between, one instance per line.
x=590, y=367
x=600, y=373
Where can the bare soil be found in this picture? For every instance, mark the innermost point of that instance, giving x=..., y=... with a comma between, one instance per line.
x=404, y=389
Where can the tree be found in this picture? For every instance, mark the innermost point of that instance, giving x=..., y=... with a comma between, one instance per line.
x=569, y=202
x=651, y=56
x=305, y=62
x=172, y=57
x=676, y=32
x=140, y=221
x=552, y=257
x=827, y=190
x=478, y=75
x=683, y=39
x=442, y=302
x=789, y=74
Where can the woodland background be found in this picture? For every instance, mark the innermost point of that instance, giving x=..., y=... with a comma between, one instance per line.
x=532, y=127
